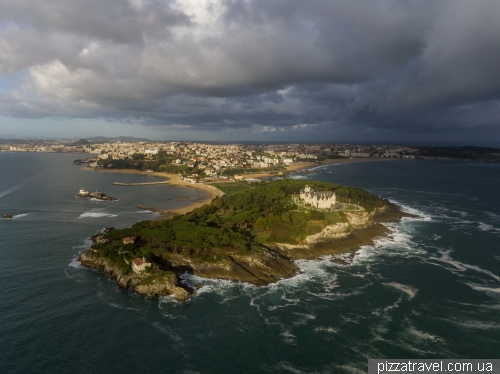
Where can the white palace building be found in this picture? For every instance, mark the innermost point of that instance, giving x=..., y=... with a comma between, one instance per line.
x=320, y=200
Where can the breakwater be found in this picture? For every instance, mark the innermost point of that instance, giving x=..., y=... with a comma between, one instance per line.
x=161, y=211
x=138, y=184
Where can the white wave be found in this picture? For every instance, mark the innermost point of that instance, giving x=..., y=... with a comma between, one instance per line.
x=421, y=335
x=484, y=289
x=288, y=302
x=318, y=268
x=410, y=347
x=383, y=311
x=168, y=331
x=436, y=237
x=493, y=215
x=398, y=243
x=69, y=276
x=328, y=329
x=408, y=209
x=96, y=215
x=350, y=369
x=288, y=337
x=354, y=320
x=486, y=227
x=460, y=266
x=485, y=306
x=298, y=177
x=117, y=306
x=288, y=367
x=473, y=324
x=222, y=287
x=75, y=263
x=409, y=290
x=304, y=318
x=321, y=167
x=20, y=215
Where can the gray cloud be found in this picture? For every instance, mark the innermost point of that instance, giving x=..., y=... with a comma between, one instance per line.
x=289, y=65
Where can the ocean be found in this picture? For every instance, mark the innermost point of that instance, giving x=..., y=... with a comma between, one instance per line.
x=431, y=289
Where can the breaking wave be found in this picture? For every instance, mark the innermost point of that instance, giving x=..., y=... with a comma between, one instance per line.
x=96, y=215
x=298, y=177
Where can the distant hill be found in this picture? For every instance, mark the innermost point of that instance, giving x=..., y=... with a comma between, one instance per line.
x=81, y=142
x=17, y=141
x=460, y=153
x=128, y=139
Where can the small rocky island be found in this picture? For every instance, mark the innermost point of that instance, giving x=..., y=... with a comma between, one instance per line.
x=253, y=236
x=95, y=195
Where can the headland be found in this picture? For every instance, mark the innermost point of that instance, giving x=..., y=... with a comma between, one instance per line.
x=253, y=236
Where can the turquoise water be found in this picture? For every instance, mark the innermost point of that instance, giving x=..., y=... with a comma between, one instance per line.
x=431, y=289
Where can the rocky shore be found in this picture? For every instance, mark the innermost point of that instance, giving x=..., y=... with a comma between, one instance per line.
x=362, y=229
x=161, y=284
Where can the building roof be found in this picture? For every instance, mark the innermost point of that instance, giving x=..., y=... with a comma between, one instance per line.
x=139, y=261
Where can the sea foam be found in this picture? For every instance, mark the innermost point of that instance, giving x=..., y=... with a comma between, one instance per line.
x=96, y=215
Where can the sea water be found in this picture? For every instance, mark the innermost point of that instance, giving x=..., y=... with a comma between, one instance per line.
x=431, y=289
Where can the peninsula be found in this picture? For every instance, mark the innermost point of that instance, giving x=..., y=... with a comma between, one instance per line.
x=253, y=236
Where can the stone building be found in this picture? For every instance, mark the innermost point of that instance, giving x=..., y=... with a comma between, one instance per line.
x=140, y=264
x=318, y=199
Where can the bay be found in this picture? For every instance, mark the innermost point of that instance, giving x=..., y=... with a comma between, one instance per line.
x=429, y=290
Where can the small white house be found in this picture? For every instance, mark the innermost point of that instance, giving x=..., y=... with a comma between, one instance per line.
x=140, y=264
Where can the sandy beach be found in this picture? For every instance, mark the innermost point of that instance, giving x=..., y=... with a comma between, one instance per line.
x=175, y=180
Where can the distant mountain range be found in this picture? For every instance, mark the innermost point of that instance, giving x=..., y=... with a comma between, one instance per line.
x=104, y=139
x=95, y=139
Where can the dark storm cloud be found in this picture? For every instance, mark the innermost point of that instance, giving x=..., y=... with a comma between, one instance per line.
x=407, y=66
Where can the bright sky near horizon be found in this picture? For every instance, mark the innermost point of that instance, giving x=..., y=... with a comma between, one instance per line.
x=290, y=70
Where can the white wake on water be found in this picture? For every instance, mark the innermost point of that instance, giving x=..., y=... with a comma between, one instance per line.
x=20, y=216
x=14, y=188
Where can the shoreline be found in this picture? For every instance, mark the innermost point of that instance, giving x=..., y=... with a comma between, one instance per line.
x=305, y=165
x=213, y=191
x=174, y=180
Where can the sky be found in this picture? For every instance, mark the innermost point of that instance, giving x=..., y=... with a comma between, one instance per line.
x=254, y=70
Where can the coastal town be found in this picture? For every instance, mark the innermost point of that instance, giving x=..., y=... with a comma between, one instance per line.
x=196, y=160
x=289, y=152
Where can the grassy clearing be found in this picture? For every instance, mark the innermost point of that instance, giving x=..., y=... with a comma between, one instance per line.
x=314, y=227
x=231, y=188
x=334, y=217
x=262, y=236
